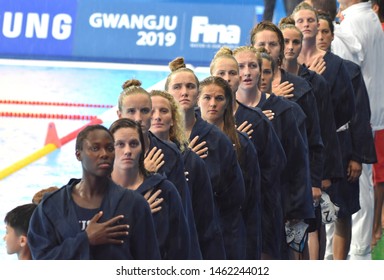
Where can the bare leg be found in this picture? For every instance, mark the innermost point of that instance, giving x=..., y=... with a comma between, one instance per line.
x=377, y=226
x=382, y=216
x=342, y=238
x=265, y=256
x=313, y=245
x=294, y=255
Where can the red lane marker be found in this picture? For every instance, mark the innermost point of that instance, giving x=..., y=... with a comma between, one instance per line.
x=46, y=116
x=49, y=103
x=73, y=134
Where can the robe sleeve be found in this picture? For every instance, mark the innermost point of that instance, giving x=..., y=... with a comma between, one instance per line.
x=44, y=236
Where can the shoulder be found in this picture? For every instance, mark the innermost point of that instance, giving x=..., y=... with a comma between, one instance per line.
x=221, y=138
x=157, y=181
x=243, y=137
x=353, y=68
x=351, y=64
x=58, y=196
x=333, y=59
x=117, y=193
x=129, y=198
x=201, y=126
x=191, y=156
x=244, y=140
x=252, y=112
x=300, y=83
x=280, y=103
x=165, y=146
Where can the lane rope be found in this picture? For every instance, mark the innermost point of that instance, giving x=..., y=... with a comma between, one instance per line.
x=46, y=116
x=49, y=103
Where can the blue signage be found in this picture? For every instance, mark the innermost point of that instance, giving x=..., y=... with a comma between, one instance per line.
x=160, y=31
x=37, y=27
x=124, y=31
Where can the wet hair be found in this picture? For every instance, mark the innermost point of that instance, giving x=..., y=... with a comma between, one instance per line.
x=250, y=49
x=128, y=123
x=229, y=120
x=264, y=55
x=261, y=54
x=223, y=52
x=326, y=17
x=18, y=218
x=38, y=197
x=177, y=66
x=380, y=4
x=286, y=20
x=304, y=6
x=289, y=23
x=247, y=49
x=177, y=131
x=267, y=25
x=131, y=87
x=83, y=134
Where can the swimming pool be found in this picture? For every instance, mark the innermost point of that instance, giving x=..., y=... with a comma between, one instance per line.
x=67, y=92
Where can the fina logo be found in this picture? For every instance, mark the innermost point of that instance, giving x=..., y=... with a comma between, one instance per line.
x=204, y=34
x=36, y=25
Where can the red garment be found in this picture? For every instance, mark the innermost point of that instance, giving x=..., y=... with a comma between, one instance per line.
x=378, y=168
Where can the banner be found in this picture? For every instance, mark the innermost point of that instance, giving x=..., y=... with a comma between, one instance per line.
x=160, y=31
x=152, y=32
x=37, y=28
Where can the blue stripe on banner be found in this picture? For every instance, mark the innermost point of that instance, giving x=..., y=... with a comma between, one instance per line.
x=37, y=27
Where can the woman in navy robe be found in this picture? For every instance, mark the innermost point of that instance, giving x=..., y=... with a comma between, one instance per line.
x=271, y=156
x=295, y=180
x=129, y=172
x=301, y=93
x=220, y=158
x=332, y=166
x=343, y=101
x=168, y=125
x=356, y=138
x=216, y=103
x=93, y=218
x=135, y=103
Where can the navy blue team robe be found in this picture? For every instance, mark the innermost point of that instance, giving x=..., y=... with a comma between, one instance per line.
x=295, y=180
x=356, y=142
x=361, y=130
x=272, y=161
x=251, y=208
x=344, y=108
x=206, y=217
x=227, y=183
x=170, y=222
x=301, y=119
x=341, y=88
x=332, y=167
x=55, y=232
x=304, y=97
x=173, y=169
